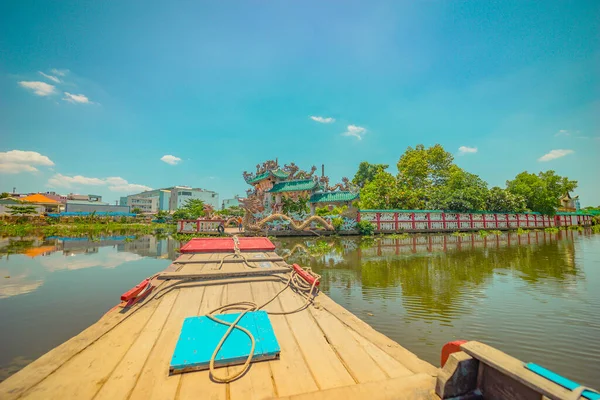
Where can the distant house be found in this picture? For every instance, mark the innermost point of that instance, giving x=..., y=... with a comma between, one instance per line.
x=94, y=206
x=49, y=205
x=7, y=204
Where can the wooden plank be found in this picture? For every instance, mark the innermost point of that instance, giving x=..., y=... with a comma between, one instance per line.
x=404, y=356
x=93, y=365
x=362, y=367
x=514, y=368
x=230, y=260
x=327, y=369
x=228, y=273
x=123, y=378
x=154, y=381
x=291, y=373
x=414, y=387
x=17, y=384
x=392, y=367
x=497, y=385
x=257, y=383
x=198, y=384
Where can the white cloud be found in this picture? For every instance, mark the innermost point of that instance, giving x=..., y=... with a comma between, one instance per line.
x=169, y=159
x=39, y=88
x=356, y=131
x=25, y=157
x=554, y=154
x=462, y=150
x=76, y=98
x=59, y=72
x=563, y=132
x=114, y=183
x=15, y=161
x=129, y=188
x=60, y=180
x=52, y=78
x=116, y=180
x=323, y=120
x=13, y=168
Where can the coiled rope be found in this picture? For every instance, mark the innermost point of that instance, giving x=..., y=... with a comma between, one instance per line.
x=294, y=282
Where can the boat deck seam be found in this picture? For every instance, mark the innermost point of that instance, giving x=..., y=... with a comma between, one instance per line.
x=333, y=348
x=285, y=317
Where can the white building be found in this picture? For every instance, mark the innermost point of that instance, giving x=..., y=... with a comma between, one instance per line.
x=169, y=199
x=180, y=194
x=235, y=202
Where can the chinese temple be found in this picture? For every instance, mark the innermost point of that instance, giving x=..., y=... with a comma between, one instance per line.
x=272, y=183
x=568, y=203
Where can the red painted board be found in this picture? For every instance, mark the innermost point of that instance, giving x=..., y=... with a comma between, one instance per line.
x=224, y=245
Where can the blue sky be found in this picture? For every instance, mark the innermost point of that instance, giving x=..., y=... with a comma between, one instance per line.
x=101, y=91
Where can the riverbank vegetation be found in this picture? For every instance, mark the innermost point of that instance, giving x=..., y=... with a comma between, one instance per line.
x=83, y=229
x=428, y=178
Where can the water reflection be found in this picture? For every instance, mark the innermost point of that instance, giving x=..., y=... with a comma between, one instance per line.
x=532, y=294
x=439, y=270
x=66, y=253
x=61, y=285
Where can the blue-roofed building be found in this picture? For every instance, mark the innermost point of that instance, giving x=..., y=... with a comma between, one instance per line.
x=94, y=207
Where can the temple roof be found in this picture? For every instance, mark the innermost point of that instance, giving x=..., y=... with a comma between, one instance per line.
x=277, y=173
x=332, y=197
x=293, y=186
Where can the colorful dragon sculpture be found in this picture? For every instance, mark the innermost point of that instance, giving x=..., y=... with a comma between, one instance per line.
x=253, y=205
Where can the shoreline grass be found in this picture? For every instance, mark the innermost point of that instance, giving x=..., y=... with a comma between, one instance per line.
x=83, y=229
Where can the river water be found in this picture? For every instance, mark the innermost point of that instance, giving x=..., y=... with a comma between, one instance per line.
x=535, y=296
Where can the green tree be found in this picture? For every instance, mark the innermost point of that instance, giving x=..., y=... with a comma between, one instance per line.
x=22, y=210
x=191, y=209
x=501, y=200
x=462, y=191
x=422, y=169
x=136, y=211
x=542, y=191
x=4, y=195
x=161, y=215
x=366, y=173
x=381, y=193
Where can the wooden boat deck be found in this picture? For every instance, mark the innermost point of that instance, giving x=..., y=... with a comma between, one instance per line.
x=326, y=352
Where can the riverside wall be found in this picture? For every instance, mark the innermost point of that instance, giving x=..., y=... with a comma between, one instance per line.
x=445, y=221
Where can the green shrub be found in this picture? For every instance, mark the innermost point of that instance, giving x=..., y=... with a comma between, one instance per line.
x=365, y=228
x=337, y=223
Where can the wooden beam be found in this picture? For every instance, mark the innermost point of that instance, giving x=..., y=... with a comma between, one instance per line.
x=219, y=274
x=458, y=377
x=229, y=260
x=515, y=369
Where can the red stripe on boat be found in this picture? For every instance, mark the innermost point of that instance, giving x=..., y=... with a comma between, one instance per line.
x=305, y=275
x=131, y=293
x=221, y=245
